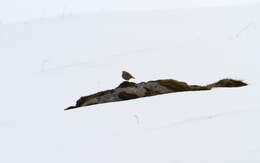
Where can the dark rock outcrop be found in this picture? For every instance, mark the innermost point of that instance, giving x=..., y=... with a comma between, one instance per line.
x=129, y=90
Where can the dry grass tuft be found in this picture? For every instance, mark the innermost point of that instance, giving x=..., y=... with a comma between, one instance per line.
x=228, y=83
x=199, y=88
x=174, y=85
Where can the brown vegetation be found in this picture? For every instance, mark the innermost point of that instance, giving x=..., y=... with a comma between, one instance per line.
x=228, y=83
x=174, y=85
x=129, y=90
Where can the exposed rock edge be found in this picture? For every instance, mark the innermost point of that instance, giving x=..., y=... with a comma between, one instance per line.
x=130, y=90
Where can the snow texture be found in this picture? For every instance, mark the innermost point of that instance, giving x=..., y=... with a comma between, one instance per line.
x=47, y=64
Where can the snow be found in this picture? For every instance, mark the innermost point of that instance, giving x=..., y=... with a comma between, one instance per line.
x=17, y=10
x=46, y=65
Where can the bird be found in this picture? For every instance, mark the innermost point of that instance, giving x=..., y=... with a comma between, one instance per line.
x=127, y=75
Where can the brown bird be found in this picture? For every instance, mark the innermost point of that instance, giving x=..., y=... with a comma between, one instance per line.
x=127, y=75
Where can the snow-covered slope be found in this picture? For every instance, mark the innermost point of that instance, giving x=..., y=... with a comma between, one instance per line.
x=17, y=10
x=47, y=64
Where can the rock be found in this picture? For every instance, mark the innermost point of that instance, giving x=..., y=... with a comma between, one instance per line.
x=126, y=96
x=126, y=84
x=129, y=90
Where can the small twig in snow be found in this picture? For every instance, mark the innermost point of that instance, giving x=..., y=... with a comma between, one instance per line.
x=243, y=29
x=137, y=119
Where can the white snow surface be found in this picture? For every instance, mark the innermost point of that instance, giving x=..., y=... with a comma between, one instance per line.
x=24, y=10
x=46, y=65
